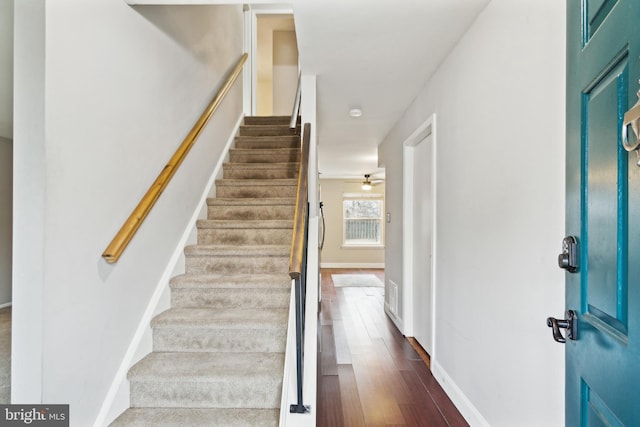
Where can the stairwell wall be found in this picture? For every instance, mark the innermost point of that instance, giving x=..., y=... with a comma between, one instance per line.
x=6, y=217
x=122, y=87
x=6, y=68
x=6, y=148
x=499, y=98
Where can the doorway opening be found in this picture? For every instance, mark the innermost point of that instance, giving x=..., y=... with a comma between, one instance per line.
x=275, y=68
x=419, y=192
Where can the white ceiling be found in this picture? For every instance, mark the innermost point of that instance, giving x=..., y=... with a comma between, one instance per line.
x=375, y=55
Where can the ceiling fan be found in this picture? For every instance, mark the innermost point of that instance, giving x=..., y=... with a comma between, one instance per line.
x=369, y=183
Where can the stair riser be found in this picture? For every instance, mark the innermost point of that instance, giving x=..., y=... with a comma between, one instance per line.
x=262, y=156
x=235, y=264
x=227, y=298
x=267, y=120
x=172, y=417
x=268, y=131
x=231, y=172
x=251, y=212
x=256, y=192
x=252, y=392
x=211, y=236
x=220, y=340
x=249, y=142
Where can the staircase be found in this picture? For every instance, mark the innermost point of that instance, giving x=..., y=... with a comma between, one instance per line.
x=218, y=352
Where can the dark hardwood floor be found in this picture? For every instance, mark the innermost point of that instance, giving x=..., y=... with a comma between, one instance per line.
x=369, y=374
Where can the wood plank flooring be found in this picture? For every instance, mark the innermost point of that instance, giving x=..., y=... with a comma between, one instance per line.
x=369, y=374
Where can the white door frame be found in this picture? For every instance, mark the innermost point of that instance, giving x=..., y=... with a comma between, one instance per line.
x=427, y=128
x=250, y=45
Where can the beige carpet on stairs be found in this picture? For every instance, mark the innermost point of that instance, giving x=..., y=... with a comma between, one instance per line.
x=218, y=352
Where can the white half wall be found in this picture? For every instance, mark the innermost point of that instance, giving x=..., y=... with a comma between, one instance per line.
x=119, y=88
x=499, y=97
x=6, y=218
x=28, y=202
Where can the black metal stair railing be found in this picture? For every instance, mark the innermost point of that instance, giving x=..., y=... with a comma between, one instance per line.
x=298, y=262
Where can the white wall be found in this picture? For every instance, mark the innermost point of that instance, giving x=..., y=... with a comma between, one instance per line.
x=122, y=87
x=276, y=50
x=6, y=184
x=6, y=68
x=285, y=72
x=6, y=148
x=499, y=100
x=334, y=255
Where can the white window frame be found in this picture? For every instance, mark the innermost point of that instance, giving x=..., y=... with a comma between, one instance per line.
x=363, y=196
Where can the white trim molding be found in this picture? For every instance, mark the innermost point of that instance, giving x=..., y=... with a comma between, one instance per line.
x=459, y=399
x=395, y=319
x=426, y=129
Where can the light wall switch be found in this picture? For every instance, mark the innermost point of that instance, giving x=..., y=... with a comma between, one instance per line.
x=388, y=217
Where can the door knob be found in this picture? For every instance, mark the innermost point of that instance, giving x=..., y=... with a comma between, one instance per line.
x=570, y=324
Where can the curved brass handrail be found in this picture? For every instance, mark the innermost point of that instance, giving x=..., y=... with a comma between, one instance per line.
x=119, y=243
x=297, y=240
x=296, y=104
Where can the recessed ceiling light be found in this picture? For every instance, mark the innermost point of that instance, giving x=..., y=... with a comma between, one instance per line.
x=355, y=112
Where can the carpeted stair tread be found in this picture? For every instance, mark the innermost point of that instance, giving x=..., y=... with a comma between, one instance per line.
x=287, y=141
x=268, y=130
x=244, y=234
x=256, y=182
x=230, y=318
x=264, y=165
x=266, y=201
x=233, y=250
x=268, y=120
x=251, y=208
x=206, y=367
x=197, y=417
x=259, y=166
x=256, y=188
x=242, y=281
x=271, y=155
x=207, y=380
x=223, y=329
x=255, y=170
x=244, y=224
x=265, y=151
x=213, y=291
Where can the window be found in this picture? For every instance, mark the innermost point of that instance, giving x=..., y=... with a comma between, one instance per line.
x=362, y=221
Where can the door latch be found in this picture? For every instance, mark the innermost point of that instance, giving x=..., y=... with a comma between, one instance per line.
x=570, y=324
x=568, y=259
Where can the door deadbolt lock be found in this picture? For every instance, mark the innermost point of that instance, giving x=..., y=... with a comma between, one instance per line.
x=568, y=259
x=570, y=324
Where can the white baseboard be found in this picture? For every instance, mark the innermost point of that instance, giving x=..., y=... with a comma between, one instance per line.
x=395, y=319
x=352, y=265
x=161, y=287
x=459, y=399
x=6, y=304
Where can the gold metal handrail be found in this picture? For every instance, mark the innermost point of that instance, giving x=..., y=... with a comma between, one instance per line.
x=296, y=104
x=119, y=243
x=297, y=240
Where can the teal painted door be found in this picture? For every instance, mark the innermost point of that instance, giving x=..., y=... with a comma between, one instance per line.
x=603, y=211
